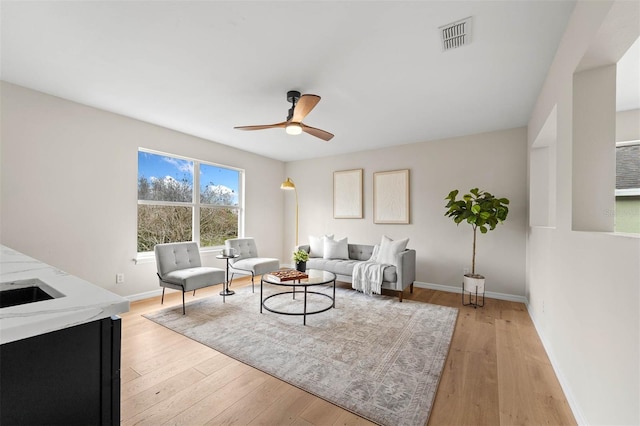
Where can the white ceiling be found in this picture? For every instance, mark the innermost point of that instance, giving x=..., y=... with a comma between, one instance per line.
x=204, y=67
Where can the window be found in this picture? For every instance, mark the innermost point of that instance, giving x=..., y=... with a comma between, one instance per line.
x=627, y=217
x=182, y=199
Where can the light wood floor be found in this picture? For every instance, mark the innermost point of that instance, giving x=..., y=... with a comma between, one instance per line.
x=497, y=373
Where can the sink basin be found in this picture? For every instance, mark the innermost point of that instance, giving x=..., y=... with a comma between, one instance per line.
x=20, y=292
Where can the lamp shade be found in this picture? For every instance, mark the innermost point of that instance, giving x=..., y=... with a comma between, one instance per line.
x=288, y=185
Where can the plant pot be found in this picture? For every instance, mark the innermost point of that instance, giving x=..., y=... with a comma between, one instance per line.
x=301, y=266
x=473, y=282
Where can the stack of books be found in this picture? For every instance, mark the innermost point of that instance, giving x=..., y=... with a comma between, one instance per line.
x=285, y=275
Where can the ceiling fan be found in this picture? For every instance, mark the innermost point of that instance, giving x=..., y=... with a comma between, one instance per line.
x=301, y=106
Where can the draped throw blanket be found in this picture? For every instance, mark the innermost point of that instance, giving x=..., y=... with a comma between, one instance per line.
x=367, y=277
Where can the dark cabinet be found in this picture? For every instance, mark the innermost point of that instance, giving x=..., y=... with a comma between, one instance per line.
x=70, y=376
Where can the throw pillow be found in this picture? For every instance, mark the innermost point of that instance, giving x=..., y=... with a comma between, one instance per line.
x=374, y=254
x=336, y=249
x=389, y=249
x=316, y=245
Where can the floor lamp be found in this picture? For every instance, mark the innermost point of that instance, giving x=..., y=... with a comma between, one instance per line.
x=288, y=185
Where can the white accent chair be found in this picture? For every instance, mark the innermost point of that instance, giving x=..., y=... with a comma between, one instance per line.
x=248, y=261
x=180, y=268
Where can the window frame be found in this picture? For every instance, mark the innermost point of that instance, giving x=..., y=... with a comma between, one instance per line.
x=629, y=192
x=195, y=203
x=620, y=194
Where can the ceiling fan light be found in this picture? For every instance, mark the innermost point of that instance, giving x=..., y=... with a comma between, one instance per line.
x=293, y=129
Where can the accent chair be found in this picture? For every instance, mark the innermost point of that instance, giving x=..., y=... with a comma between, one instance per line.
x=248, y=262
x=180, y=268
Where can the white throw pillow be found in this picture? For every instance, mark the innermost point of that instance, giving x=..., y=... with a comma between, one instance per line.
x=336, y=249
x=389, y=249
x=375, y=253
x=316, y=245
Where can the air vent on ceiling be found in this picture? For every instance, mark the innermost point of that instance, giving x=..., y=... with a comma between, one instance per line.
x=456, y=34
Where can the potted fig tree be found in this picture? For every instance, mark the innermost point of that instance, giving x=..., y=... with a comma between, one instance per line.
x=482, y=211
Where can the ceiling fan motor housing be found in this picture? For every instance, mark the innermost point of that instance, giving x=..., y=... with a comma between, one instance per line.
x=293, y=96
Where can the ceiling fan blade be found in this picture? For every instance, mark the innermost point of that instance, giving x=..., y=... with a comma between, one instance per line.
x=318, y=133
x=304, y=106
x=262, y=127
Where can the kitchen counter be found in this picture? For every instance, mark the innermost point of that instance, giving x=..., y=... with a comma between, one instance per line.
x=81, y=302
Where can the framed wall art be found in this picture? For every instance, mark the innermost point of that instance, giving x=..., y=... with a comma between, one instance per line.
x=347, y=194
x=391, y=196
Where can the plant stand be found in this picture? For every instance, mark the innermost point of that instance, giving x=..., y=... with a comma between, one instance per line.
x=473, y=301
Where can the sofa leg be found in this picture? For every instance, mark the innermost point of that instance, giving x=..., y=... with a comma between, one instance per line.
x=400, y=295
x=162, y=300
x=411, y=288
x=183, y=311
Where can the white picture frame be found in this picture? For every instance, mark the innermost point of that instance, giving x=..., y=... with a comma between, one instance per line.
x=391, y=197
x=347, y=194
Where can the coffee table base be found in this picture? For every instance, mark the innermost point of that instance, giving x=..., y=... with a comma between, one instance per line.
x=305, y=313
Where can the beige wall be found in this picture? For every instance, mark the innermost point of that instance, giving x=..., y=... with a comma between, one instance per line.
x=583, y=287
x=69, y=194
x=628, y=125
x=493, y=161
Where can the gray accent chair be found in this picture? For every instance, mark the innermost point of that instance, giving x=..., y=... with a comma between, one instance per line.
x=248, y=262
x=180, y=268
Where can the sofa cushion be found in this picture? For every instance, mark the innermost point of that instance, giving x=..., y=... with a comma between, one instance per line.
x=360, y=251
x=390, y=249
x=337, y=266
x=336, y=249
x=345, y=267
x=316, y=245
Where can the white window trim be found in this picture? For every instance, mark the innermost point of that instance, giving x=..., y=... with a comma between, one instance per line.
x=628, y=143
x=629, y=192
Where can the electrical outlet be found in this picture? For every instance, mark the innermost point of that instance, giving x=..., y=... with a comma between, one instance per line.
x=119, y=278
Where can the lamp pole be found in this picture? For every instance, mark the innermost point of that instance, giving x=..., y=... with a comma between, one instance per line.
x=288, y=185
x=296, y=191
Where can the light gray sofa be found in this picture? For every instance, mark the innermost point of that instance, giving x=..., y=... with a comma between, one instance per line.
x=396, y=279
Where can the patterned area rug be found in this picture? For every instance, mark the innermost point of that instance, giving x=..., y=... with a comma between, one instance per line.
x=372, y=355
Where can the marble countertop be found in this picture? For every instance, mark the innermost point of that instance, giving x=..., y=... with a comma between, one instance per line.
x=79, y=301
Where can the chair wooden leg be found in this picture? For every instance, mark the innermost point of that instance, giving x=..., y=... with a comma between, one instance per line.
x=162, y=300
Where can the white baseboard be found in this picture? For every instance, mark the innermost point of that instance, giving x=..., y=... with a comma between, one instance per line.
x=145, y=295
x=489, y=294
x=564, y=384
x=448, y=288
